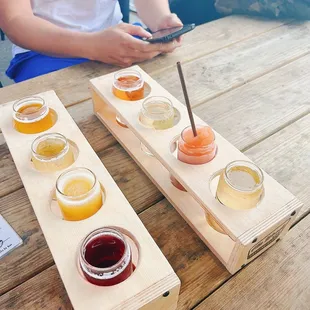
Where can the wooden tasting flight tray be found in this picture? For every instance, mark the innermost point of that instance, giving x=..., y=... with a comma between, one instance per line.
x=153, y=276
x=248, y=232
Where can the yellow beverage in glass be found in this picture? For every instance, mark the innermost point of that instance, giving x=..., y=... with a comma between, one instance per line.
x=157, y=113
x=78, y=194
x=51, y=152
x=241, y=185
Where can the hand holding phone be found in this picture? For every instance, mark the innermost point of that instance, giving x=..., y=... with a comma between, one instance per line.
x=167, y=35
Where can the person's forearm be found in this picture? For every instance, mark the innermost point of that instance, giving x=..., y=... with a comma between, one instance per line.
x=152, y=11
x=36, y=34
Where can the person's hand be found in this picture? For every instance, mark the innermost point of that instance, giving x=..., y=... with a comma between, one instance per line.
x=116, y=45
x=169, y=21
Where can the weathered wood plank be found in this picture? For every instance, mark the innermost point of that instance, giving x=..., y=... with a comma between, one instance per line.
x=71, y=84
x=199, y=271
x=212, y=75
x=136, y=186
x=45, y=291
x=254, y=111
x=285, y=156
x=278, y=279
x=34, y=256
x=189, y=258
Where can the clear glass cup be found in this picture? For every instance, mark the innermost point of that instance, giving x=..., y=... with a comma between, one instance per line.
x=128, y=85
x=51, y=152
x=105, y=257
x=78, y=194
x=157, y=113
x=195, y=150
x=240, y=185
x=32, y=115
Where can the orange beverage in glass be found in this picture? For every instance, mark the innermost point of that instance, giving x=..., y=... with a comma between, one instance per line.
x=195, y=150
x=32, y=115
x=128, y=85
x=78, y=193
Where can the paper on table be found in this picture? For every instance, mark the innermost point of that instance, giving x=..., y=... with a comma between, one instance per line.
x=9, y=239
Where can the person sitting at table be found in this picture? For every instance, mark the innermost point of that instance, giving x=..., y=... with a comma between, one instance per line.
x=51, y=35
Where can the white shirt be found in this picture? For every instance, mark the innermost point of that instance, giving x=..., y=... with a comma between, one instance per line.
x=78, y=15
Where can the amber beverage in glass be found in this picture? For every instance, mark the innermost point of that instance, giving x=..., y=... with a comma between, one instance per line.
x=32, y=115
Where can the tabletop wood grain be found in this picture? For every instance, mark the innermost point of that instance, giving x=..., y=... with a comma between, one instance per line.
x=248, y=78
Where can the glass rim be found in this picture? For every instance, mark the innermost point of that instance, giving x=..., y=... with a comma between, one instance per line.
x=244, y=163
x=96, y=233
x=156, y=99
x=46, y=135
x=75, y=169
x=128, y=72
x=29, y=98
x=198, y=126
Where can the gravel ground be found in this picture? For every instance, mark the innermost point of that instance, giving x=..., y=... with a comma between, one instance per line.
x=5, y=58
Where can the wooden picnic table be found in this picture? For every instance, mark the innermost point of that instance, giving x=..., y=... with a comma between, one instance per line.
x=249, y=79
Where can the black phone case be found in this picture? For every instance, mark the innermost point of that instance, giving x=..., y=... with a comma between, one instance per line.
x=172, y=36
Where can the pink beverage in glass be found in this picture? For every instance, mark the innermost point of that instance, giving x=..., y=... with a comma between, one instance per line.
x=195, y=150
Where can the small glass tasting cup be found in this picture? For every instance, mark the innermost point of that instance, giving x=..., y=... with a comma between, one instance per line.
x=128, y=85
x=32, y=115
x=193, y=150
x=78, y=194
x=156, y=113
x=240, y=185
x=51, y=152
x=105, y=257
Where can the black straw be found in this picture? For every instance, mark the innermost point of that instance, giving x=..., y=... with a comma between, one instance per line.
x=188, y=105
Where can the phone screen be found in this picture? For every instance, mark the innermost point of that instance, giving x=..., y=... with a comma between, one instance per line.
x=165, y=32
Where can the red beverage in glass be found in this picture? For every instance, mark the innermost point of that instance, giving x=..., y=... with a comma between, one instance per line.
x=105, y=257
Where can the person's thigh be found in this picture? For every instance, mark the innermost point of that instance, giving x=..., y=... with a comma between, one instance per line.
x=41, y=64
x=194, y=11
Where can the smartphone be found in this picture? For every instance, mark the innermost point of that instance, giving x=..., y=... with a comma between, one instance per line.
x=167, y=35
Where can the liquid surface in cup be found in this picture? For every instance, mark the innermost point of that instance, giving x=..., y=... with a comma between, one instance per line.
x=196, y=150
x=243, y=178
x=126, y=88
x=78, y=186
x=29, y=120
x=158, y=115
x=51, y=155
x=80, y=198
x=106, y=251
x=240, y=189
x=50, y=147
